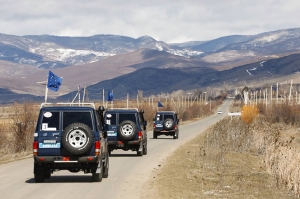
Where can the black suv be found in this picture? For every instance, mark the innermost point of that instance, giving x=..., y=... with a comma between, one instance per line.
x=166, y=123
x=69, y=136
x=126, y=129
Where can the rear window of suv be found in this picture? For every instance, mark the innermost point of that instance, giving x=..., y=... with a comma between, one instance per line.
x=169, y=117
x=74, y=117
x=50, y=121
x=164, y=116
x=111, y=118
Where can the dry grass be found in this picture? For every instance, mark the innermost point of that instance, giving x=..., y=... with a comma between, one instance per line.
x=234, y=160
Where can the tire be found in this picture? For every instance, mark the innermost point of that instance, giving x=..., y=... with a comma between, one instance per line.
x=97, y=177
x=175, y=136
x=47, y=175
x=38, y=178
x=77, y=138
x=140, y=153
x=154, y=135
x=127, y=130
x=168, y=124
x=145, y=148
x=106, y=167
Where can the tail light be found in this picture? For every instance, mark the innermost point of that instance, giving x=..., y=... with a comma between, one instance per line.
x=175, y=127
x=140, y=135
x=35, y=148
x=97, y=147
x=154, y=125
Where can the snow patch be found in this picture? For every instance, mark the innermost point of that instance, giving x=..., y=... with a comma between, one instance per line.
x=184, y=52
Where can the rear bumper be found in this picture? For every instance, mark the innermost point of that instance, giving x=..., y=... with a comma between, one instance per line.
x=164, y=132
x=61, y=159
x=124, y=143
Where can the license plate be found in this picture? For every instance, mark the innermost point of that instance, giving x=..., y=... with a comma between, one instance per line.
x=43, y=145
x=111, y=133
x=159, y=125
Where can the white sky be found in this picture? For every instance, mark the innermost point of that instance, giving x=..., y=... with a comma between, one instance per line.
x=164, y=20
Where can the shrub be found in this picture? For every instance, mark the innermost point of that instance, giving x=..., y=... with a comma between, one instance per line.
x=249, y=113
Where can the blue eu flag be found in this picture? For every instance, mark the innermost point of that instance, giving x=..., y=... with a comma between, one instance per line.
x=110, y=96
x=53, y=81
x=159, y=104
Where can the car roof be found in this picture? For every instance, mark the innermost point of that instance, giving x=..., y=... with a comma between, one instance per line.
x=165, y=112
x=67, y=108
x=121, y=111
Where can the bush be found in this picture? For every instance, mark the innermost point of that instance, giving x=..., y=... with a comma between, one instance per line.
x=249, y=113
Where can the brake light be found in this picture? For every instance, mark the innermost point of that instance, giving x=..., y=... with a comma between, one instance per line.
x=140, y=135
x=97, y=147
x=154, y=125
x=175, y=127
x=35, y=148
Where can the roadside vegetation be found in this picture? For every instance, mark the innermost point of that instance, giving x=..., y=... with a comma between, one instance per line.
x=18, y=121
x=252, y=156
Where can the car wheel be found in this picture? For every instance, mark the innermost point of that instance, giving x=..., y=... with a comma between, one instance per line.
x=77, y=138
x=39, y=178
x=140, y=153
x=106, y=167
x=97, y=177
x=47, y=175
x=154, y=135
x=168, y=124
x=145, y=148
x=127, y=130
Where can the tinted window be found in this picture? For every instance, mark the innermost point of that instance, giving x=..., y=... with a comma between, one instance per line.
x=127, y=116
x=169, y=117
x=74, y=117
x=110, y=119
x=50, y=121
x=158, y=117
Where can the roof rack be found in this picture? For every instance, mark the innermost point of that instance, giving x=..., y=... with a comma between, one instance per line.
x=122, y=109
x=69, y=104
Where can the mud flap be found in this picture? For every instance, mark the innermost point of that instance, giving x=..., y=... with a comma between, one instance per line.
x=140, y=148
x=99, y=167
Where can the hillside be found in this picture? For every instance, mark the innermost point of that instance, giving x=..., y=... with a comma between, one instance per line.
x=97, y=60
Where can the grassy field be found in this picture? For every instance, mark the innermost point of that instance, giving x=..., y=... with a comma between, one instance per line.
x=233, y=159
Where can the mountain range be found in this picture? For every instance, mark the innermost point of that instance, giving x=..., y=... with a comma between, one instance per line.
x=126, y=65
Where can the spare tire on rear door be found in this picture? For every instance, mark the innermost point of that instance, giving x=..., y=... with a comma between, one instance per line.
x=77, y=138
x=127, y=130
x=168, y=124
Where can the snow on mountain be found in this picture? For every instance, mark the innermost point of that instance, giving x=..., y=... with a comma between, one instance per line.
x=184, y=52
x=228, y=55
x=71, y=56
x=159, y=47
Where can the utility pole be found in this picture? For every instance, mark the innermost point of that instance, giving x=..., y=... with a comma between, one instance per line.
x=277, y=94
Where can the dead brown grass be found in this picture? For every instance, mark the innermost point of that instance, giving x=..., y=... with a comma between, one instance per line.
x=233, y=159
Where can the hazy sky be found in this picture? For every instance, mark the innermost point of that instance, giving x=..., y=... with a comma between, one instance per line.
x=164, y=20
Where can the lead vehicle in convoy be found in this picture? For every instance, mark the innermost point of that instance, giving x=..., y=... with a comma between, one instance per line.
x=126, y=130
x=70, y=136
x=166, y=123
